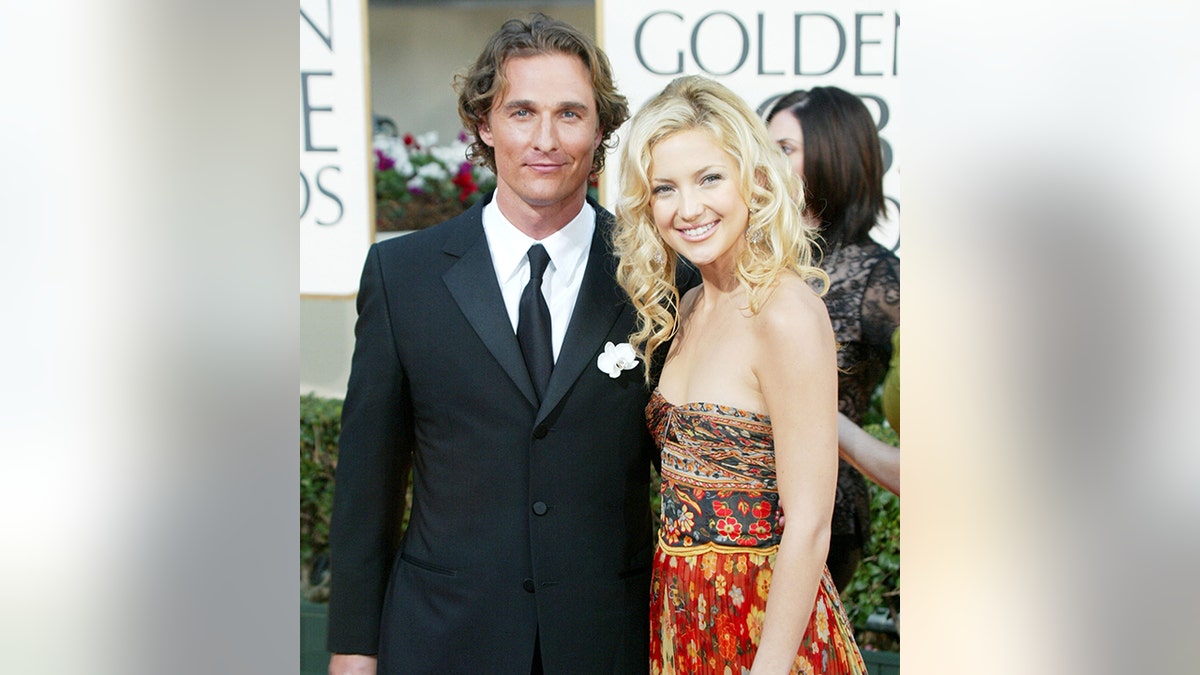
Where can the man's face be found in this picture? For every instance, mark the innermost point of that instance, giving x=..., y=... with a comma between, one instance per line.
x=545, y=130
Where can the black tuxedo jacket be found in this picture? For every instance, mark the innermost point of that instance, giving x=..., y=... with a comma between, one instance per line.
x=527, y=520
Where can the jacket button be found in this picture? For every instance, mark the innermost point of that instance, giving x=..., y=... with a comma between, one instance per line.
x=540, y=431
x=540, y=508
x=527, y=585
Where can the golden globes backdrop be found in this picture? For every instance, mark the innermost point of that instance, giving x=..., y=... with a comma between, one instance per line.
x=335, y=181
x=762, y=49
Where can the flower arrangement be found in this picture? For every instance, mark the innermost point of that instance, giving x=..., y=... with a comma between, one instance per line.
x=419, y=183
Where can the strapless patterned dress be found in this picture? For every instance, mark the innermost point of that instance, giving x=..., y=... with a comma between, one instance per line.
x=716, y=547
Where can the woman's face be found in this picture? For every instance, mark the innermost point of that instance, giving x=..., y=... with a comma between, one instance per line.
x=696, y=198
x=786, y=132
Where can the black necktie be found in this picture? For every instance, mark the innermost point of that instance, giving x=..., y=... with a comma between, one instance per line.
x=533, y=326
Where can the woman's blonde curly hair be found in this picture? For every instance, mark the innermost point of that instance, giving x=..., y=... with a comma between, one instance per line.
x=777, y=237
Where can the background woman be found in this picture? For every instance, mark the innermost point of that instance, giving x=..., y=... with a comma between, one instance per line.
x=830, y=139
x=745, y=413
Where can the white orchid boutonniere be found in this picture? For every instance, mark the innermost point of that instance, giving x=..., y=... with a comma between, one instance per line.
x=617, y=358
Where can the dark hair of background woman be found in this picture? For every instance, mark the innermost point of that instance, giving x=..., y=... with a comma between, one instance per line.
x=843, y=164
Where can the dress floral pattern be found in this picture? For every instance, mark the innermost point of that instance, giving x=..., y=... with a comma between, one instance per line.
x=717, y=544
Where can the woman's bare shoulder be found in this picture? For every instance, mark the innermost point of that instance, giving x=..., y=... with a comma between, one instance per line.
x=792, y=309
x=794, y=345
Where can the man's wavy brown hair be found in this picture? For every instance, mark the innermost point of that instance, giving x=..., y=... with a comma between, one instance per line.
x=480, y=86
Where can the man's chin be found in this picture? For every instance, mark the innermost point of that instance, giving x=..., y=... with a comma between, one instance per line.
x=551, y=198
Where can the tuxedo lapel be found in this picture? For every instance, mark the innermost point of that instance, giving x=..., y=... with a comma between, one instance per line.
x=596, y=310
x=472, y=283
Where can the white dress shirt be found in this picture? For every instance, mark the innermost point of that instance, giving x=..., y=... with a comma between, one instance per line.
x=568, y=249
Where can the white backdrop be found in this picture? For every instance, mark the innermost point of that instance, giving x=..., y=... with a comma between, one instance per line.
x=335, y=169
x=761, y=49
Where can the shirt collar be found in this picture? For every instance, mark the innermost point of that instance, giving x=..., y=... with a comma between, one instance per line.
x=509, y=245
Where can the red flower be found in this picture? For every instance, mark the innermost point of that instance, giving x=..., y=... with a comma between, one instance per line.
x=727, y=642
x=465, y=181
x=409, y=140
x=762, y=509
x=722, y=509
x=760, y=529
x=729, y=527
x=741, y=629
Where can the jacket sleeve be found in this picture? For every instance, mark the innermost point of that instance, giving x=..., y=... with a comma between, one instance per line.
x=374, y=456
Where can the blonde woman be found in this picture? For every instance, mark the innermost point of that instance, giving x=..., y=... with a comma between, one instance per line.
x=745, y=413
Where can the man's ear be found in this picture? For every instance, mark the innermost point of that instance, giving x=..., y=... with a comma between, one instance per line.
x=485, y=133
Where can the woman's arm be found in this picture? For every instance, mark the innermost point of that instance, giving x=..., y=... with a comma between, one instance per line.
x=875, y=459
x=796, y=367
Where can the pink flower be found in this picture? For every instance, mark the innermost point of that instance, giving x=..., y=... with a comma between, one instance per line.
x=385, y=163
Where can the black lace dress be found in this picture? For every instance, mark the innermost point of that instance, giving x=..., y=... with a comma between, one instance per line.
x=864, y=305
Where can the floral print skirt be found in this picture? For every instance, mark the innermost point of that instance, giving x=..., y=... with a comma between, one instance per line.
x=706, y=615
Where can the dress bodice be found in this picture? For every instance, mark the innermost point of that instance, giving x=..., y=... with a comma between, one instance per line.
x=718, y=475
